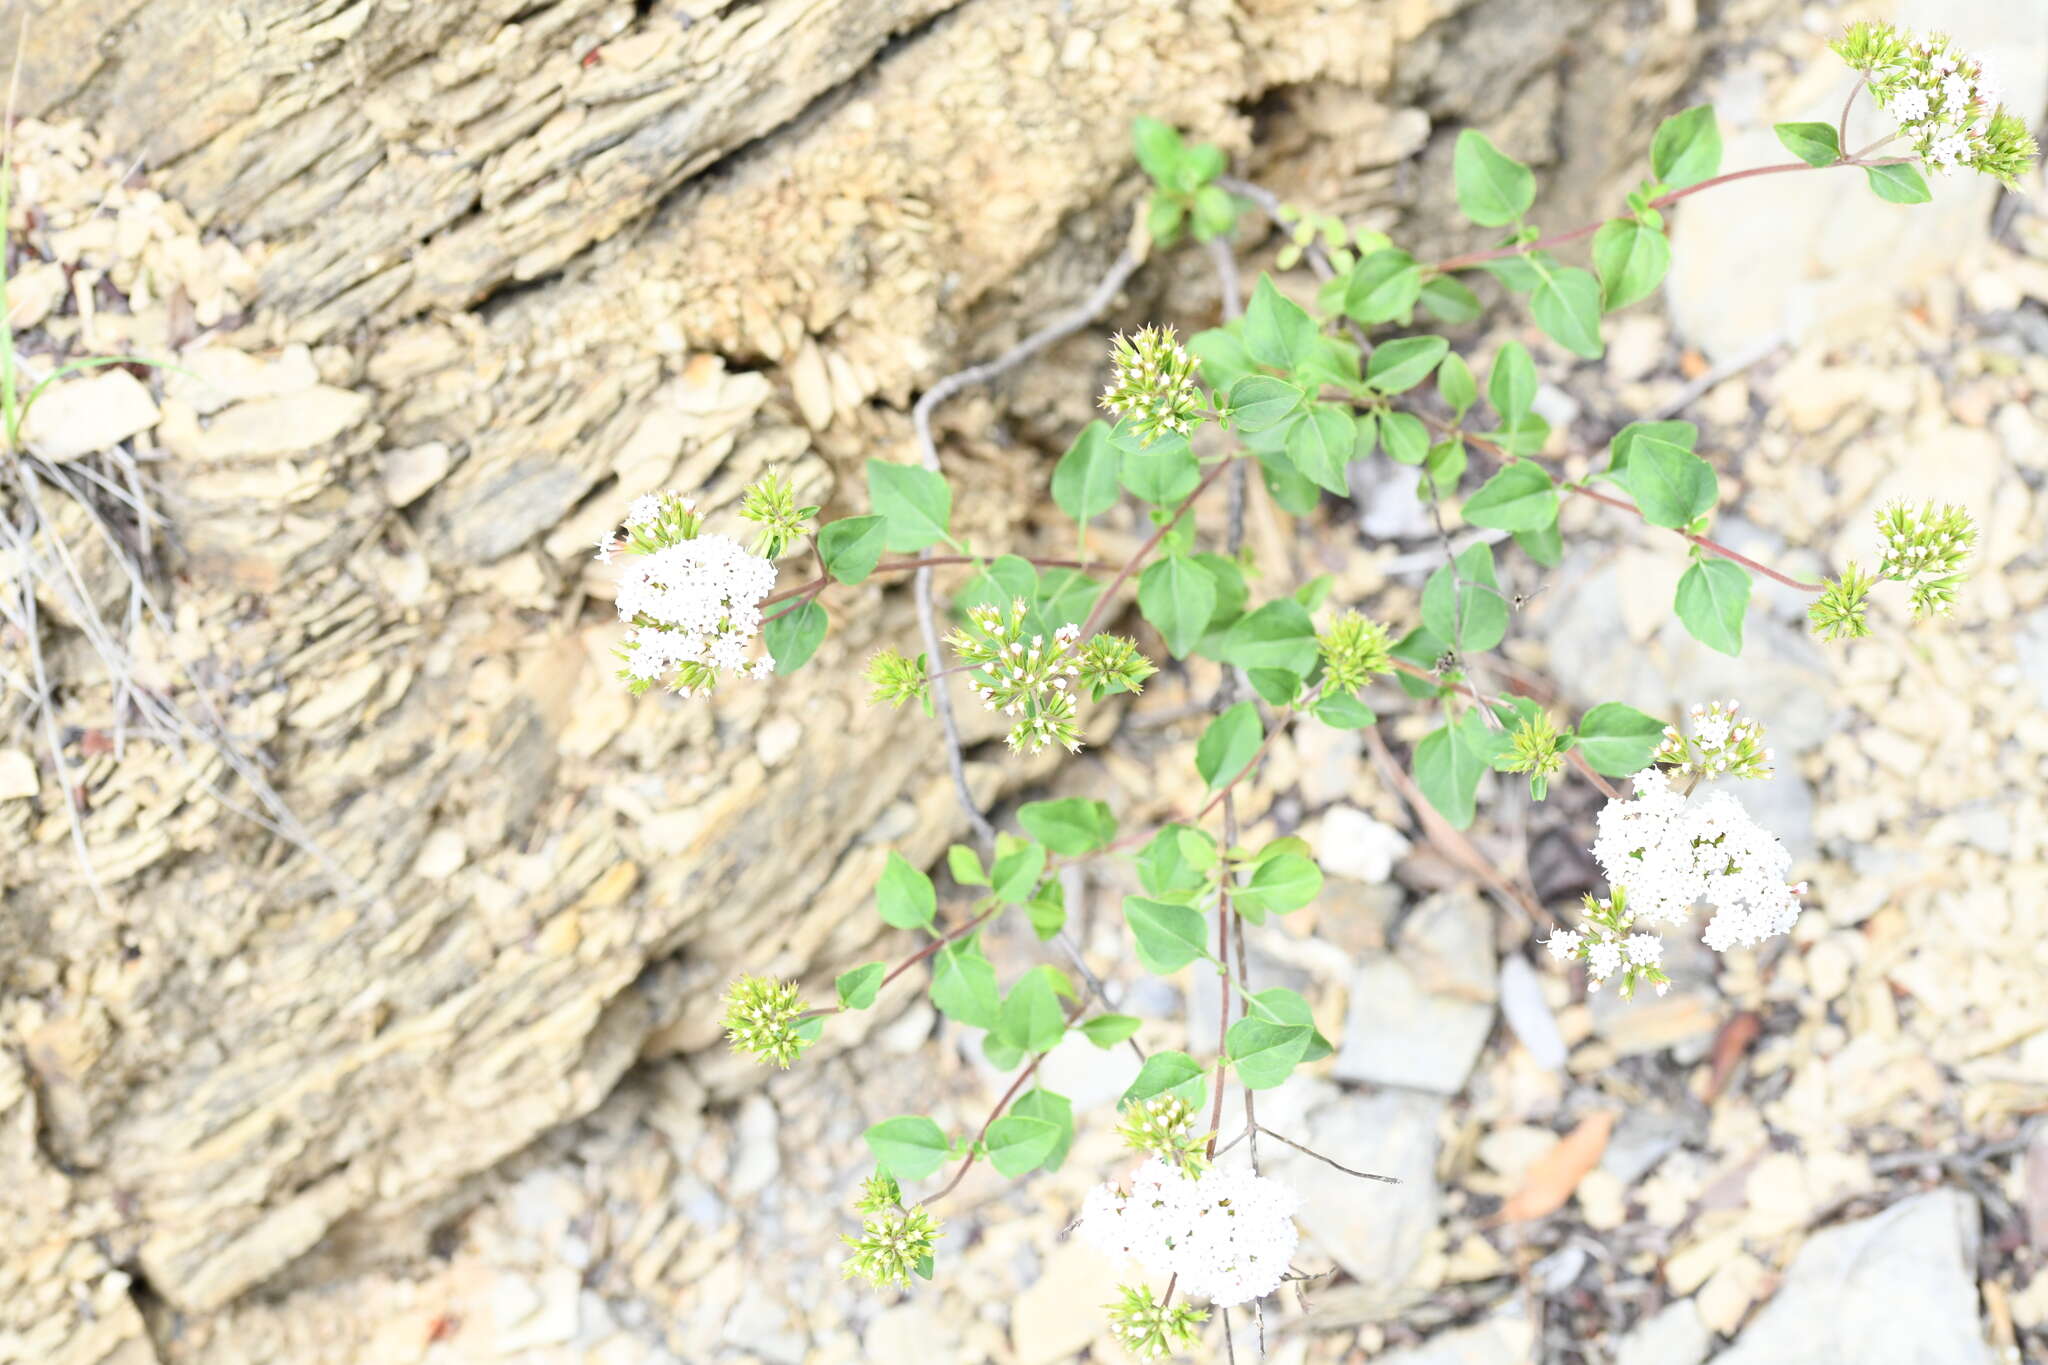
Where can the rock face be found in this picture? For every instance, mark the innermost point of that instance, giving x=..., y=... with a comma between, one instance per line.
x=455, y=282
x=1900, y=1286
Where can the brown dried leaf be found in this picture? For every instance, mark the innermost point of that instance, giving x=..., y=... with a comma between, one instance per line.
x=1730, y=1044
x=1553, y=1178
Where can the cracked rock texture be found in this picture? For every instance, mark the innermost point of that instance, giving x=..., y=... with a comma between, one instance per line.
x=451, y=283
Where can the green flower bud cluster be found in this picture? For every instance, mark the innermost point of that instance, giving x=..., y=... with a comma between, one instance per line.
x=1149, y=1329
x=771, y=505
x=764, y=1018
x=895, y=1242
x=1945, y=100
x=1164, y=1126
x=1535, y=748
x=1353, y=649
x=1152, y=385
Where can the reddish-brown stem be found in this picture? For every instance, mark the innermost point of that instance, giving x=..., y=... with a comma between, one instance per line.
x=1711, y=546
x=814, y=586
x=1131, y=566
x=1842, y=127
x=1704, y=542
x=1223, y=918
x=950, y=936
x=1472, y=258
x=988, y=1123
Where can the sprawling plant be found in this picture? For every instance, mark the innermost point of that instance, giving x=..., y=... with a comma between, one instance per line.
x=1302, y=393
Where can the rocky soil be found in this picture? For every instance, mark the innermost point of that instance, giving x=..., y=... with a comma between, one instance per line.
x=434, y=1077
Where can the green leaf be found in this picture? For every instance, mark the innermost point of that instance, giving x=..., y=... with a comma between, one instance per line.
x=1164, y=213
x=1383, y=286
x=1277, y=330
x=1069, y=827
x=1449, y=763
x=1522, y=271
x=1162, y=473
x=1058, y=1110
x=1178, y=596
x=904, y=895
x=1214, y=214
x=1476, y=618
x=1543, y=545
x=964, y=985
x=1199, y=165
x=1687, y=147
x=1228, y=744
x=1107, y=1030
x=1294, y=491
x=1223, y=355
x=1321, y=442
x=1340, y=712
x=1265, y=1053
x=915, y=502
x=1032, y=1019
x=1511, y=384
x=1684, y=435
x=1017, y=1145
x=793, y=637
x=1164, y=869
x=1493, y=188
x=1813, y=143
x=1277, y=635
x=965, y=865
x=1404, y=362
x=1442, y=468
x=1617, y=740
x=1158, y=147
x=1567, y=307
x=1259, y=401
x=1278, y=886
x=852, y=546
x=1900, y=184
x=1007, y=578
x=1712, y=596
x=1520, y=497
x=857, y=987
x=1449, y=301
x=1167, y=1073
x=1670, y=484
x=1064, y=598
x=909, y=1148
x=1017, y=870
x=1084, y=482
x=1454, y=381
x=1168, y=936
x=1047, y=910
x=1631, y=259
x=1404, y=436
x=1315, y=592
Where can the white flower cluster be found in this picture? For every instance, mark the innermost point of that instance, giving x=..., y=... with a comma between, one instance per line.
x=1228, y=1234
x=1941, y=98
x=1669, y=852
x=1723, y=744
x=693, y=604
x=1608, y=950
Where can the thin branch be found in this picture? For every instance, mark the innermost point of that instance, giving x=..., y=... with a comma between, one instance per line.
x=1310, y=1151
x=815, y=585
x=1062, y=326
x=1130, y=567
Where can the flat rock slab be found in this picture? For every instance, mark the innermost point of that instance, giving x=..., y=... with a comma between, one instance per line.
x=1895, y=1289
x=1375, y=1231
x=1420, y=1016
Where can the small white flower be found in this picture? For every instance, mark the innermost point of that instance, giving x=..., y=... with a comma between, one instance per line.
x=1564, y=943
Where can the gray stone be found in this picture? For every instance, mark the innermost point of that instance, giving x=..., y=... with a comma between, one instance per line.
x=1375, y=1231
x=1675, y=1336
x=1506, y=1338
x=1420, y=1017
x=1895, y=1289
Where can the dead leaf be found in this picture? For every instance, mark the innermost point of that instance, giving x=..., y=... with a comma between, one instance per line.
x=1730, y=1044
x=1553, y=1177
